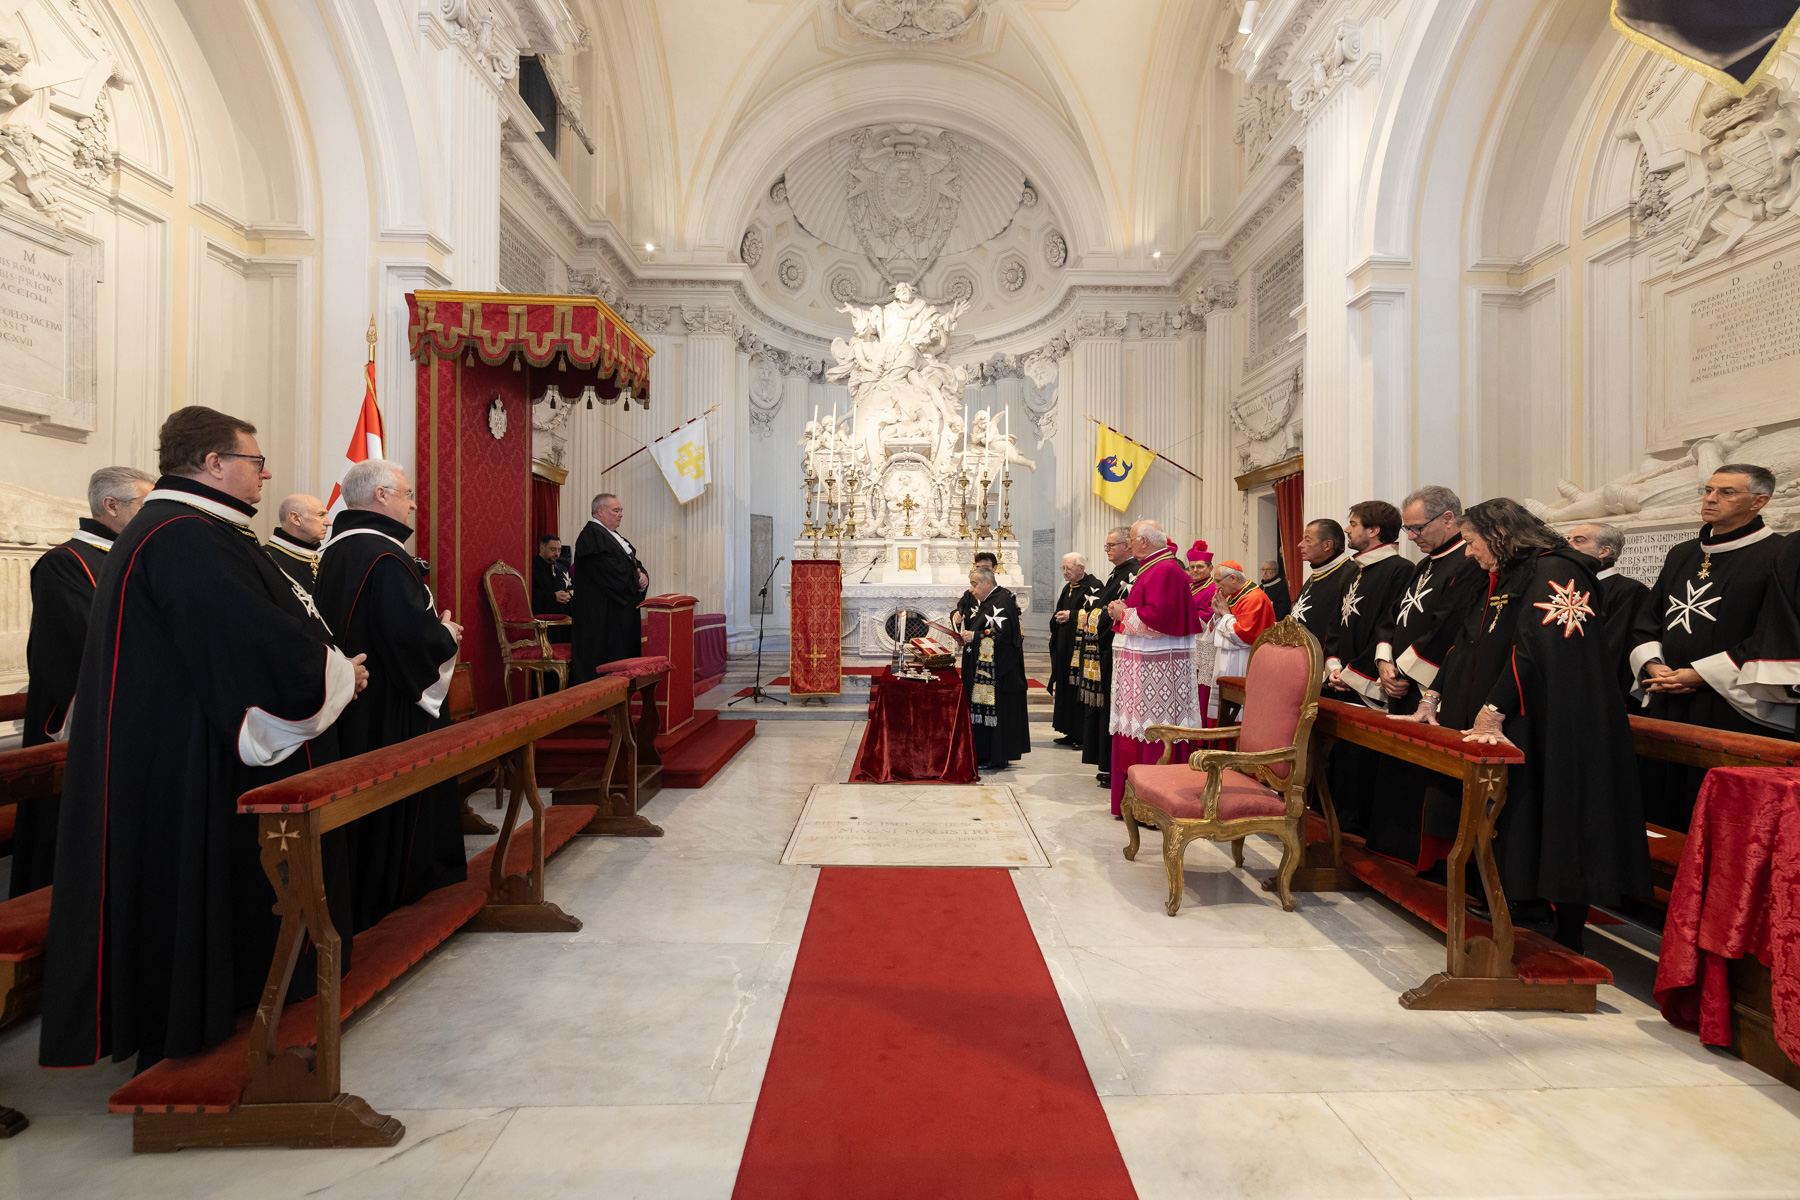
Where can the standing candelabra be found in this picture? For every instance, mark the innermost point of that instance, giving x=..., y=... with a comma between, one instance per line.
x=962, y=507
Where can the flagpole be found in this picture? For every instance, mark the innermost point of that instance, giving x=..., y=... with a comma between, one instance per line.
x=655, y=440
x=373, y=337
x=1159, y=454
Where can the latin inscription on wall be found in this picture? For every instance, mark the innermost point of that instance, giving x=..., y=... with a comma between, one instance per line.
x=1724, y=346
x=1280, y=286
x=1643, y=556
x=34, y=334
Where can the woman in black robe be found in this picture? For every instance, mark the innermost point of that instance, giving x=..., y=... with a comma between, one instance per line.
x=1530, y=668
x=993, y=673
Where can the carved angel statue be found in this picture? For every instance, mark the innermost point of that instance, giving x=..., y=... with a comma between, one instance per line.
x=988, y=447
x=1671, y=487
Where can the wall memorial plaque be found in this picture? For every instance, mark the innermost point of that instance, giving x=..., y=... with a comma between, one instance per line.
x=1724, y=346
x=1642, y=558
x=47, y=283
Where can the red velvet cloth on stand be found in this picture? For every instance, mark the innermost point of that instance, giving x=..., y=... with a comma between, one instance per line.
x=917, y=731
x=546, y=511
x=1289, y=496
x=1736, y=893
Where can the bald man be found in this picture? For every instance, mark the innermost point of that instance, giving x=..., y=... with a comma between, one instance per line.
x=295, y=545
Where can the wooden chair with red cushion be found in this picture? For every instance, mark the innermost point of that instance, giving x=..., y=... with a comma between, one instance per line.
x=1260, y=787
x=524, y=638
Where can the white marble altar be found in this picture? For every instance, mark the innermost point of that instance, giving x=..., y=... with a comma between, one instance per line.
x=913, y=825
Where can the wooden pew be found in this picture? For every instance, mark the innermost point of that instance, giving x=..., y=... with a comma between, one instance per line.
x=634, y=768
x=276, y=1082
x=1487, y=964
x=26, y=775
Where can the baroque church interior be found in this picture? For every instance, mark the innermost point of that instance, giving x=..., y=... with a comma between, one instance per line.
x=826, y=296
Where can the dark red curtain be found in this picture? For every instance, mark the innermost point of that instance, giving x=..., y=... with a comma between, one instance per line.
x=546, y=509
x=1288, y=523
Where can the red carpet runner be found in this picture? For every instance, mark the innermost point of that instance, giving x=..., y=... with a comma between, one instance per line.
x=923, y=1052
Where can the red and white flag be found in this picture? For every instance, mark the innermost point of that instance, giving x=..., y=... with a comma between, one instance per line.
x=365, y=442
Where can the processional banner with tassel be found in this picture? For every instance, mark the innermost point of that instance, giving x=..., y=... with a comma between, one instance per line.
x=815, y=610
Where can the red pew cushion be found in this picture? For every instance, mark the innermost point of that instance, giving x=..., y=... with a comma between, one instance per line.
x=1177, y=789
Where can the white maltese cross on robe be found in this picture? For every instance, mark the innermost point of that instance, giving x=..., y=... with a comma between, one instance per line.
x=996, y=618
x=1566, y=607
x=1682, y=612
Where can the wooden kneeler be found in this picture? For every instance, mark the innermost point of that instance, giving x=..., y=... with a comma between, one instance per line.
x=293, y=1095
x=633, y=770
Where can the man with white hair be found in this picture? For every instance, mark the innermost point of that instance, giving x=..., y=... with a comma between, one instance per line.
x=1621, y=596
x=1245, y=612
x=294, y=546
x=1153, y=655
x=993, y=673
x=1065, y=668
x=610, y=583
x=62, y=591
x=372, y=593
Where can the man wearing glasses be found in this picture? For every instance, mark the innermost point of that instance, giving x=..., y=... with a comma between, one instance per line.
x=1096, y=742
x=1694, y=632
x=1415, y=635
x=206, y=673
x=372, y=592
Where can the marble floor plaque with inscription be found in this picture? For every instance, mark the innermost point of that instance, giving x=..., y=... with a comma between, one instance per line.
x=913, y=825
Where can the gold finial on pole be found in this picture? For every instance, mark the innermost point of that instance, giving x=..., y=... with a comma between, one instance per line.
x=373, y=337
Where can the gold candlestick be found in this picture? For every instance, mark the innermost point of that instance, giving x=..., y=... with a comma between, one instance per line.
x=962, y=508
x=1006, y=529
x=850, y=507
x=982, y=530
x=831, y=524
x=812, y=480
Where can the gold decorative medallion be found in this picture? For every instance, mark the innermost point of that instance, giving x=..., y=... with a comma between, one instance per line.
x=909, y=558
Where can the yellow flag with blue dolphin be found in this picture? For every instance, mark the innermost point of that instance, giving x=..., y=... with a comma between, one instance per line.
x=1119, y=466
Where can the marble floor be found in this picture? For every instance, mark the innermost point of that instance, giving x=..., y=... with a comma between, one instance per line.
x=1238, y=1050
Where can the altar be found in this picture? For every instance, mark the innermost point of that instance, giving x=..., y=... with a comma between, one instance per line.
x=904, y=489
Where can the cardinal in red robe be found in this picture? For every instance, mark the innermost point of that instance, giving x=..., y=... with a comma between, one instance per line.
x=1157, y=639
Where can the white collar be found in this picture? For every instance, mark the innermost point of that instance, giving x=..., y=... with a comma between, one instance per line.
x=92, y=539
x=1328, y=568
x=335, y=538
x=211, y=508
x=1749, y=539
x=617, y=536
x=1385, y=550
x=1608, y=573
x=1456, y=545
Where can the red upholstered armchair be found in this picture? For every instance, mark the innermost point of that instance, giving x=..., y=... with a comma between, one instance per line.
x=1226, y=795
x=524, y=643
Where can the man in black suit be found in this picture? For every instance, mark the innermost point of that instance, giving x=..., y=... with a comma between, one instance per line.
x=610, y=583
x=1621, y=596
x=551, y=587
x=1276, y=589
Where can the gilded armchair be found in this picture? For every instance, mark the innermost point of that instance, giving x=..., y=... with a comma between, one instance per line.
x=1260, y=787
x=524, y=639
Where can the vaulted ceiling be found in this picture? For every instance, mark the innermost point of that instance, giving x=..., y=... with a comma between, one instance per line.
x=1103, y=107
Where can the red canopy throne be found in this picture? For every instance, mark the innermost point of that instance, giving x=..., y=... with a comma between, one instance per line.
x=481, y=358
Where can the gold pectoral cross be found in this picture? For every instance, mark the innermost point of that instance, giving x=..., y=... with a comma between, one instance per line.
x=1705, y=566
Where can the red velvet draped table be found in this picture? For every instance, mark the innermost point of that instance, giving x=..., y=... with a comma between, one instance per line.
x=1736, y=894
x=917, y=731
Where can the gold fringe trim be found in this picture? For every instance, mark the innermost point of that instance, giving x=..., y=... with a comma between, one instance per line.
x=1711, y=73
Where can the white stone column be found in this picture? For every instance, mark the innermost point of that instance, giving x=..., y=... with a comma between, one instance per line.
x=1223, y=351
x=1334, y=436
x=1097, y=369
x=1160, y=413
x=710, y=542
x=469, y=105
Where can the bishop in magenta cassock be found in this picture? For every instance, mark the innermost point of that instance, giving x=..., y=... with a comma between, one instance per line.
x=1153, y=655
x=206, y=673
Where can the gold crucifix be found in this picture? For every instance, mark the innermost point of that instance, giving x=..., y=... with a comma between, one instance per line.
x=906, y=506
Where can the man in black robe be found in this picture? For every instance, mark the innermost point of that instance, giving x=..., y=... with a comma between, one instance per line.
x=62, y=590
x=610, y=583
x=1525, y=668
x=1096, y=741
x=1064, y=683
x=1382, y=577
x=1771, y=668
x=1275, y=587
x=372, y=593
x=1410, y=647
x=965, y=603
x=1621, y=596
x=993, y=673
x=1698, y=625
x=551, y=587
x=1320, y=604
x=206, y=674
x=294, y=546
